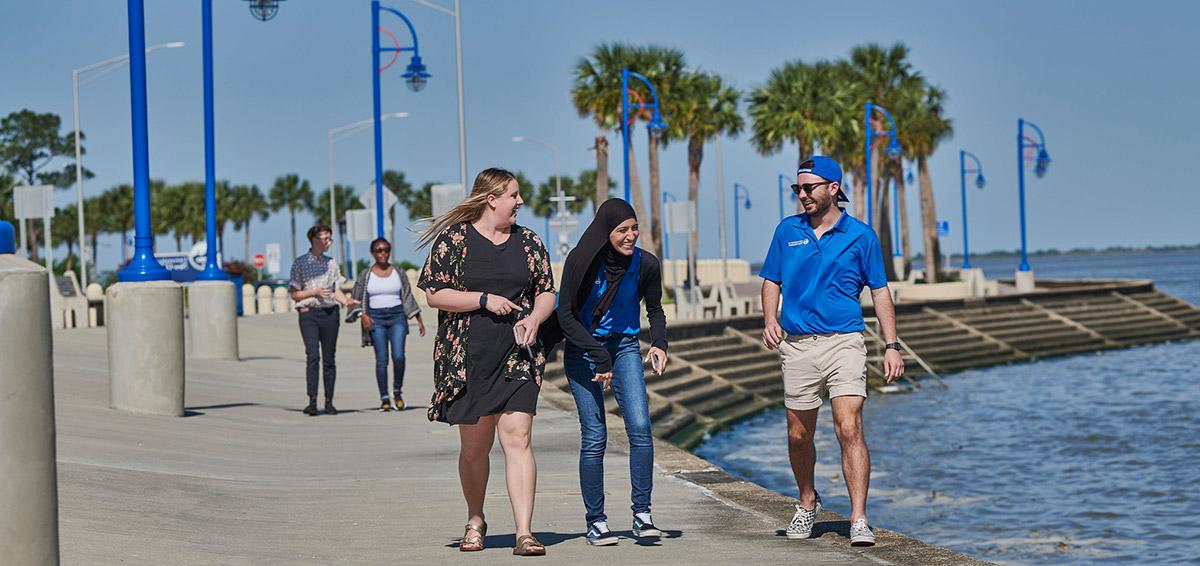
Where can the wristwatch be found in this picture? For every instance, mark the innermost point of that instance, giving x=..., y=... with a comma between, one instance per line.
x=483, y=300
x=894, y=346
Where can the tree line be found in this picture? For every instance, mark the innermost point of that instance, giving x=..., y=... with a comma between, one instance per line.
x=813, y=104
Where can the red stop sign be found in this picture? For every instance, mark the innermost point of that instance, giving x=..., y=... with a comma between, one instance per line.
x=260, y=260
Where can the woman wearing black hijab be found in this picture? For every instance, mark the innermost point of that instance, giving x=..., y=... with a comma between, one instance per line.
x=604, y=279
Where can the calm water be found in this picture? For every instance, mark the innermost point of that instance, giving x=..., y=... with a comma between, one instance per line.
x=1085, y=459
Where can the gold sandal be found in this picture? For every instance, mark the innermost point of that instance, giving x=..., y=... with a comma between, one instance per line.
x=529, y=546
x=470, y=543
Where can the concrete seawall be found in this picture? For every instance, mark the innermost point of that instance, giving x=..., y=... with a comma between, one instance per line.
x=720, y=372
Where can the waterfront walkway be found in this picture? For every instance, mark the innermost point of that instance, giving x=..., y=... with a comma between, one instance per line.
x=246, y=478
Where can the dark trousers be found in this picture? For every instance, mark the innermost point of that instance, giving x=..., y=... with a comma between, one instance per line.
x=319, y=328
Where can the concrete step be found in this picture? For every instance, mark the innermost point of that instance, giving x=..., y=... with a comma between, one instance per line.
x=768, y=366
x=1059, y=348
x=701, y=394
x=700, y=356
x=744, y=409
x=672, y=423
x=720, y=364
x=1033, y=320
x=1138, y=336
x=960, y=340
x=965, y=363
x=672, y=387
x=682, y=347
x=753, y=382
x=721, y=403
x=1041, y=331
x=674, y=370
x=773, y=390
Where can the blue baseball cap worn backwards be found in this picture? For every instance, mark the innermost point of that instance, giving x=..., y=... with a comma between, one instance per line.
x=825, y=168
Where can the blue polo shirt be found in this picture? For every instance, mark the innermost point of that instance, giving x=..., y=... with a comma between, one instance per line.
x=822, y=278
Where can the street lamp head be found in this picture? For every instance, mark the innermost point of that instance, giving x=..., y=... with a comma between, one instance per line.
x=656, y=121
x=1043, y=162
x=979, y=182
x=893, y=147
x=264, y=9
x=415, y=74
x=909, y=177
x=747, y=203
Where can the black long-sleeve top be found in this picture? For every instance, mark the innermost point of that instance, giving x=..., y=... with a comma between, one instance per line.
x=571, y=299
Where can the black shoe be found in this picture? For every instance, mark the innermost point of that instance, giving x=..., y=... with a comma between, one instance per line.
x=329, y=408
x=311, y=410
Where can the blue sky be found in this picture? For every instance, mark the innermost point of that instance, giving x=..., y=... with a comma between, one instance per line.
x=1105, y=82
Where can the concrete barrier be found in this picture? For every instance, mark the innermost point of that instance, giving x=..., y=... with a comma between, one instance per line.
x=95, y=297
x=263, y=299
x=145, y=347
x=28, y=473
x=212, y=313
x=248, y=304
x=282, y=302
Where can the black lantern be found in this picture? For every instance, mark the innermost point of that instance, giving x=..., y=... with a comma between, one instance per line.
x=264, y=9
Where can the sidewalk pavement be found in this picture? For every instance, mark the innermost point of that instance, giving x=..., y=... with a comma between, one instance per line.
x=246, y=478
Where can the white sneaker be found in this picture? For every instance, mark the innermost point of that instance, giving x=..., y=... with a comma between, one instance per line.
x=802, y=522
x=860, y=534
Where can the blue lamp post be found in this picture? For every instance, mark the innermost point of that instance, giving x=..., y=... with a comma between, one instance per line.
x=740, y=193
x=414, y=76
x=656, y=121
x=893, y=147
x=143, y=266
x=896, y=243
x=783, y=182
x=263, y=10
x=1041, y=163
x=979, y=182
x=667, y=197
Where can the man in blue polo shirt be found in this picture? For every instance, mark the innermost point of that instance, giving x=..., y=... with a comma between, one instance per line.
x=819, y=262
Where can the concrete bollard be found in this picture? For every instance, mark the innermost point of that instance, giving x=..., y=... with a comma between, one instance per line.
x=264, y=300
x=1024, y=281
x=145, y=347
x=28, y=473
x=248, y=300
x=212, y=312
x=283, y=302
x=95, y=294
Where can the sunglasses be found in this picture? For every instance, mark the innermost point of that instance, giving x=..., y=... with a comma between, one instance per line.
x=380, y=250
x=808, y=187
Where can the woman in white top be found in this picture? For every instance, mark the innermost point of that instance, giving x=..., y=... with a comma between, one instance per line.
x=388, y=303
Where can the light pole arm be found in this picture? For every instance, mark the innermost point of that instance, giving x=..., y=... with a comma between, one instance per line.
x=411, y=30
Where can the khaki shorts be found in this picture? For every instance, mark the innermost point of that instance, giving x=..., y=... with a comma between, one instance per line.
x=816, y=364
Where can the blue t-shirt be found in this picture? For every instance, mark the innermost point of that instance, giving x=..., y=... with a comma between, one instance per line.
x=822, y=278
x=624, y=315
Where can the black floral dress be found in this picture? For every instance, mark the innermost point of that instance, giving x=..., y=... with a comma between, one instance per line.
x=446, y=268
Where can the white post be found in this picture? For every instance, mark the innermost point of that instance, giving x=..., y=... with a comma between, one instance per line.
x=721, y=213
x=337, y=253
x=83, y=256
x=462, y=124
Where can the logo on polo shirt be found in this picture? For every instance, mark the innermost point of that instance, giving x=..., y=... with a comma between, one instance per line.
x=795, y=243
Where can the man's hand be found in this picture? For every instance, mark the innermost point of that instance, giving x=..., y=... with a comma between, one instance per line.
x=351, y=303
x=604, y=379
x=367, y=323
x=420, y=325
x=772, y=334
x=893, y=365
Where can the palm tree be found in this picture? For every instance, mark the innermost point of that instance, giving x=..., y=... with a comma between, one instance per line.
x=345, y=199
x=926, y=127
x=93, y=208
x=117, y=214
x=247, y=202
x=293, y=193
x=596, y=93
x=703, y=107
x=166, y=211
x=64, y=228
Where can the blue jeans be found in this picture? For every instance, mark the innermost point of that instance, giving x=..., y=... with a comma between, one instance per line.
x=629, y=385
x=390, y=329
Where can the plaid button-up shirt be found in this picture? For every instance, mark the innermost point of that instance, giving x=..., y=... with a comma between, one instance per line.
x=313, y=272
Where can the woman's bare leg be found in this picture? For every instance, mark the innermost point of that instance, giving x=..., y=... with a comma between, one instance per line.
x=520, y=469
x=473, y=465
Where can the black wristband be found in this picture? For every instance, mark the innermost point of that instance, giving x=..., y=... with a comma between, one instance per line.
x=483, y=300
x=894, y=346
